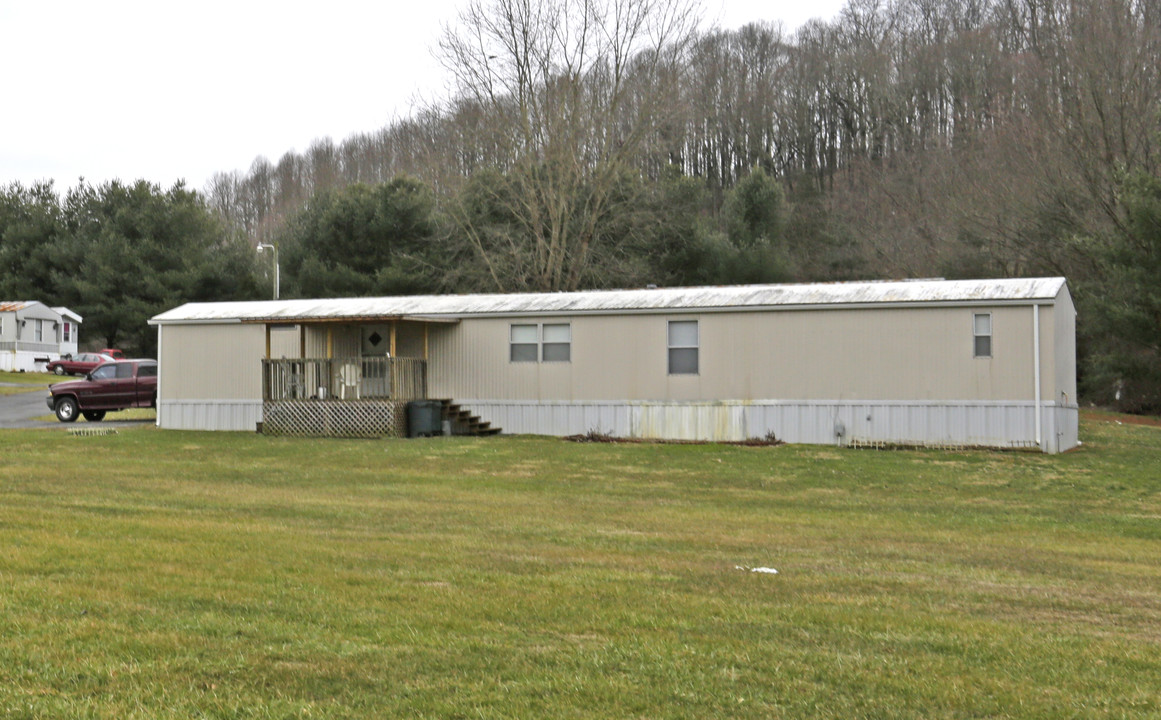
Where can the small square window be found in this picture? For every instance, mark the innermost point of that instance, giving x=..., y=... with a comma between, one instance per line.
x=982, y=335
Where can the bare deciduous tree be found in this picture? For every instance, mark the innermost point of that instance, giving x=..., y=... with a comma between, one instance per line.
x=573, y=89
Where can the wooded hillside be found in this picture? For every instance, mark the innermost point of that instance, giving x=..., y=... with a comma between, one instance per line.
x=616, y=143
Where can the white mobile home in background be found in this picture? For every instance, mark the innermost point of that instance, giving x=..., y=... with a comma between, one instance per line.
x=33, y=334
x=972, y=362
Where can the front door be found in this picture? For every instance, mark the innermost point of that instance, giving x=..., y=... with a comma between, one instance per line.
x=375, y=347
x=376, y=340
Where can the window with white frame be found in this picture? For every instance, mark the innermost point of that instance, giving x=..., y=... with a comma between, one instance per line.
x=38, y=331
x=556, y=342
x=540, y=342
x=67, y=332
x=524, y=343
x=982, y=333
x=683, y=347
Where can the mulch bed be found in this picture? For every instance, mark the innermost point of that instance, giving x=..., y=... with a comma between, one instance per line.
x=596, y=437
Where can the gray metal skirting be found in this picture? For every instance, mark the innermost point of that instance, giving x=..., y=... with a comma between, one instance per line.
x=209, y=414
x=306, y=418
x=936, y=424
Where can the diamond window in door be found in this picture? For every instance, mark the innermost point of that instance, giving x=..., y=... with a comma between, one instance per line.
x=376, y=340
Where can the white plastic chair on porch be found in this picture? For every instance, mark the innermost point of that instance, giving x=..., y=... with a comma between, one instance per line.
x=350, y=376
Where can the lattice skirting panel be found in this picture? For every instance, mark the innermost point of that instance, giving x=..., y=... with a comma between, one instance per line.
x=335, y=418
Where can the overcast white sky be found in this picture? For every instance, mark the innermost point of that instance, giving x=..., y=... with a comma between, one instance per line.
x=166, y=91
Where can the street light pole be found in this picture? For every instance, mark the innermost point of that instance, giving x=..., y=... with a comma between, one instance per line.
x=274, y=248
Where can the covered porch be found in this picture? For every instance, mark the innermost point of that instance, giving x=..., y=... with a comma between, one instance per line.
x=343, y=379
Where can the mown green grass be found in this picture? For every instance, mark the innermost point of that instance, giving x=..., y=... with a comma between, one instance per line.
x=172, y=574
x=114, y=417
x=12, y=383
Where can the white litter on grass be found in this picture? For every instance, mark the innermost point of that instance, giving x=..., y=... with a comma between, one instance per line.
x=90, y=432
x=768, y=571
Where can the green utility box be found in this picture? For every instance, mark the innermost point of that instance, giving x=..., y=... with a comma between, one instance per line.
x=424, y=418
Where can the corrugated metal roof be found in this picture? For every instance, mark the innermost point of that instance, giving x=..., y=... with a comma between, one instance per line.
x=740, y=297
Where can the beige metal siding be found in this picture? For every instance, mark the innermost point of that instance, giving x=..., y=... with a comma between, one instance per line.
x=219, y=362
x=346, y=341
x=316, y=341
x=849, y=354
x=284, y=341
x=1064, y=349
x=409, y=339
x=1047, y=356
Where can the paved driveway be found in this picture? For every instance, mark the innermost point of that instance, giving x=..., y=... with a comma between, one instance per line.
x=18, y=411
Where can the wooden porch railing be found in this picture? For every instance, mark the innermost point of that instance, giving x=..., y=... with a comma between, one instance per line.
x=344, y=379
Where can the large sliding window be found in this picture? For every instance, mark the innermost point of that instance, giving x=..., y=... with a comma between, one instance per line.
x=683, y=347
x=540, y=342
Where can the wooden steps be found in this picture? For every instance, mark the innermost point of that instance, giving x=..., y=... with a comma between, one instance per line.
x=463, y=422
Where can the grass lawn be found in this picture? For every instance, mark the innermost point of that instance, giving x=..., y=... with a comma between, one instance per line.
x=114, y=417
x=12, y=383
x=164, y=574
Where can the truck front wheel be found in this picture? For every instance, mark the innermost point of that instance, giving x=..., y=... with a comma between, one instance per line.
x=66, y=409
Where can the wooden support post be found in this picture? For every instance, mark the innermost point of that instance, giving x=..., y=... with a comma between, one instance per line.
x=330, y=341
x=392, y=384
x=267, y=341
x=425, y=326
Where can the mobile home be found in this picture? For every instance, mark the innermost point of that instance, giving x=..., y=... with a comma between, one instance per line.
x=940, y=363
x=33, y=334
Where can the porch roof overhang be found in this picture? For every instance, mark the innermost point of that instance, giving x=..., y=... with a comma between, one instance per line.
x=358, y=319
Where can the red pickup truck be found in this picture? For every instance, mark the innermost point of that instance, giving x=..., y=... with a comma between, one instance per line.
x=116, y=385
